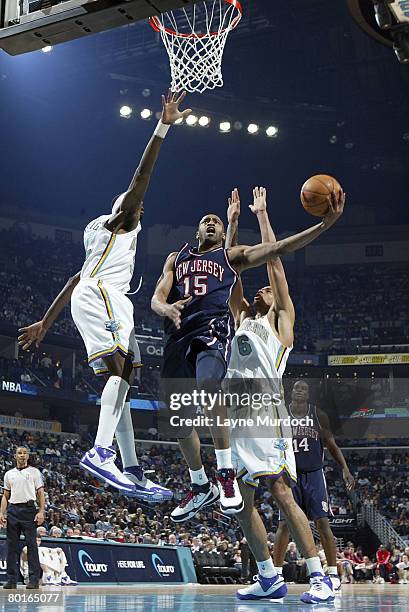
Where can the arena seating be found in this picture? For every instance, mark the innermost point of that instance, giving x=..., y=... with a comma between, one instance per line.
x=79, y=506
x=345, y=308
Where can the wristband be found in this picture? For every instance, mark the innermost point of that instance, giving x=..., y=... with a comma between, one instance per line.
x=161, y=129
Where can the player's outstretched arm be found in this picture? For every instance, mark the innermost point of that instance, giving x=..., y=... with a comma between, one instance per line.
x=334, y=450
x=35, y=333
x=233, y=213
x=244, y=257
x=283, y=306
x=159, y=299
x=128, y=216
x=238, y=304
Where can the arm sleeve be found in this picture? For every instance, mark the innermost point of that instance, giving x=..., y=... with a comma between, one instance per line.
x=6, y=484
x=38, y=480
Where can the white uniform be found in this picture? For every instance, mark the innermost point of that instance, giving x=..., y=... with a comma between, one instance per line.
x=257, y=363
x=23, y=484
x=101, y=311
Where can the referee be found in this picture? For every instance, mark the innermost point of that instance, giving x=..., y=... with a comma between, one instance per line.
x=23, y=485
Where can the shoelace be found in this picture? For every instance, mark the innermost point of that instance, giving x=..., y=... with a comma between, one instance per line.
x=316, y=584
x=189, y=495
x=226, y=479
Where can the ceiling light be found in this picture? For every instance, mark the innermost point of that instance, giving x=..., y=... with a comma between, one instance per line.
x=272, y=131
x=225, y=126
x=146, y=113
x=125, y=111
x=191, y=120
x=204, y=121
x=253, y=128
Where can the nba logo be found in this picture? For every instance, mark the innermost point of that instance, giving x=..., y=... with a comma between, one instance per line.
x=281, y=445
x=112, y=326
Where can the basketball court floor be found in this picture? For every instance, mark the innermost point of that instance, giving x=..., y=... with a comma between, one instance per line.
x=141, y=598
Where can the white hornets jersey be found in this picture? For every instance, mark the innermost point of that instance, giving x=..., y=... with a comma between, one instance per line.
x=257, y=352
x=109, y=257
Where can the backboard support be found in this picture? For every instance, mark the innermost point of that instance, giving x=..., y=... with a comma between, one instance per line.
x=57, y=22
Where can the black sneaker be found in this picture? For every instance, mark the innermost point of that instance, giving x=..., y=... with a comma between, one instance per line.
x=10, y=585
x=33, y=585
x=231, y=501
x=195, y=499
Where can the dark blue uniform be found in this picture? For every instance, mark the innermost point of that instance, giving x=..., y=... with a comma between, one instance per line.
x=310, y=492
x=206, y=324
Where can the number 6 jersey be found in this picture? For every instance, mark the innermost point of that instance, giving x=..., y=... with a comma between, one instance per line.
x=257, y=352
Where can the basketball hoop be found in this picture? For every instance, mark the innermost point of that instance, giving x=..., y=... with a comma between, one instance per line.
x=195, y=38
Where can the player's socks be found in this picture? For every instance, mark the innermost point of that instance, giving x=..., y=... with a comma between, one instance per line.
x=100, y=462
x=223, y=458
x=320, y=591
x=195, y=499
x=198, y=476
x=112, y=404
x=314, y=565
x=266, y=568
x=125, y=437
x=279, y=570
x=145, y=488
x=264, y=588
x=231, y=501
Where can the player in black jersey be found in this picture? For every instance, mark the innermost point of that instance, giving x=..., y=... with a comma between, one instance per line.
x=193, y=294
x=311, y=490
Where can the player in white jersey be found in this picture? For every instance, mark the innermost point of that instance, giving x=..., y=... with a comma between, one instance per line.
x=263, y=341
x=103, y=315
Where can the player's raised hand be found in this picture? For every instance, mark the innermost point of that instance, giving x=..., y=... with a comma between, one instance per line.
x=174, y=311
x=32, y=334
x=170, y=108
x=259, y=200
x=336, y=208
x=233, y=210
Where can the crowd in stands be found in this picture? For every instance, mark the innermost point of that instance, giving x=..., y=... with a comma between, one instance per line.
x=77, y=505
x=343, y=308
x=383, y=479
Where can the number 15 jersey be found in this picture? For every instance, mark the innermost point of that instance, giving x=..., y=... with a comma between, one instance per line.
x=209, y=279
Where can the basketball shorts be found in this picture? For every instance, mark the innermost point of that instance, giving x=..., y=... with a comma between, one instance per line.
x=311, y=495
x=181, y=350
x=104, y=318
x=255, y=457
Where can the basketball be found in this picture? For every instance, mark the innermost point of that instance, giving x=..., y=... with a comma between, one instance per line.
x=316, y=193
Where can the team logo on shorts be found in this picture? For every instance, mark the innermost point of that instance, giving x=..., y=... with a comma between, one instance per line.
x=112, y=326
x=324, y=506
x=281, y=444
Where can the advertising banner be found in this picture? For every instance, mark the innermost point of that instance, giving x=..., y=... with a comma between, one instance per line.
x=104, y=562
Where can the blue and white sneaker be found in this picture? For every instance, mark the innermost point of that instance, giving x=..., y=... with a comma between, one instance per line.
x=264, y=588
x=336, y=583
x=321, y=590
x=67, y=581
x=100, y=462
x=146, y=489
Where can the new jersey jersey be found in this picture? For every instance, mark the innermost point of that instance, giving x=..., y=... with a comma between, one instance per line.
x=257, y=352
x=307, y=443
x=109, y=257
x=209, y=279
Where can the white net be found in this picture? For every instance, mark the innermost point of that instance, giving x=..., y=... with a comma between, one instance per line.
x=195, y=38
